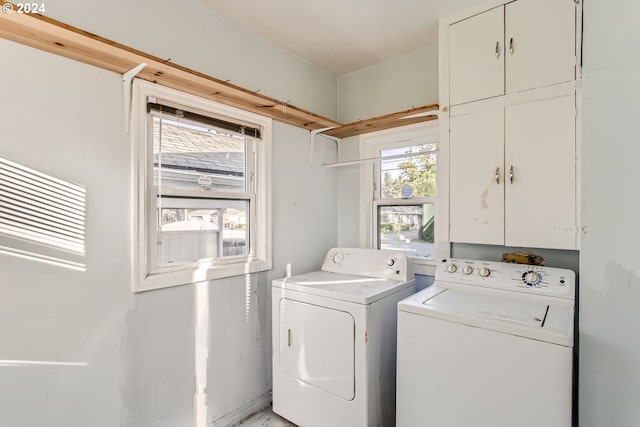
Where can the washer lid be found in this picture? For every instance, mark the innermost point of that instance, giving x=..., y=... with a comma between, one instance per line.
x=518, y=311
x=540, y=318
x=345, y=287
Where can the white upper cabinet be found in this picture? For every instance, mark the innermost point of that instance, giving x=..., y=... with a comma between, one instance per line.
x=477, y=186
x=525, y=44
x=476, y=57
x=540, y=163
x=513, y=175
x=540, y=43
x=508, y=118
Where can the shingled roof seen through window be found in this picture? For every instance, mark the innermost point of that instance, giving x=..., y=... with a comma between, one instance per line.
x=191, y=148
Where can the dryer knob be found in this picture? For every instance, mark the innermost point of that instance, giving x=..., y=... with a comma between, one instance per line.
x=391, y=262
x=467, y=270
x=452, y=268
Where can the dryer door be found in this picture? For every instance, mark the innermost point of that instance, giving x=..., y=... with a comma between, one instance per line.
x=317, y=346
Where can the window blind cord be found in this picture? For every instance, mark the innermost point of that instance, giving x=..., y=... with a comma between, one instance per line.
x=159, y=232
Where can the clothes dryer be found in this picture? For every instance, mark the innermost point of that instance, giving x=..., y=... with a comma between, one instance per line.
x=334, y=339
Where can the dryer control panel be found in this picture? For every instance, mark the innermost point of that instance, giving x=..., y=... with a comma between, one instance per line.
x=533, y=279
x=378, y=263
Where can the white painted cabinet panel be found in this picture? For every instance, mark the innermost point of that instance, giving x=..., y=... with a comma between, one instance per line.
x=540, y=43
x=306, y=332
x=477, y=177
x=476, y=57
x=513, y=175
x=522, y=45
x=540, y=200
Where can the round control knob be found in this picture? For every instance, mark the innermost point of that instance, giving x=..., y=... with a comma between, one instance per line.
x=391, y=262
x=531, y=278
x=484, y=272
x=467, y=269
x=337, y=258
x=452, y=268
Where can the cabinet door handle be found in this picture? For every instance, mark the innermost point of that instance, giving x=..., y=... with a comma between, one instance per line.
x=498, y=175
x=511, y=45
x=497, y=49
x=289, y=337
x=511, y=174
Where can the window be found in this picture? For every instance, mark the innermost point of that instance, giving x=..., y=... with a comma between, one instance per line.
x=202, y=189
x=402, y=210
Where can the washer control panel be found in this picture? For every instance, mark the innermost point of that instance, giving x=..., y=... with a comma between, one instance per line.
x=532, y=279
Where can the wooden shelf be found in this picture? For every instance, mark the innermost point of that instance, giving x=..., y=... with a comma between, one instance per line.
x=56, y=37
x=387, y=121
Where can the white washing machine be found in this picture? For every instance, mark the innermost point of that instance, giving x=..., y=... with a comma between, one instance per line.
x=334, y=339
x=487, y=345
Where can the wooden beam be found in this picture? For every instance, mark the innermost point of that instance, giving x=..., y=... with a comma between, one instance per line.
x=56, y=37
x=47, y=34
x=387, y=121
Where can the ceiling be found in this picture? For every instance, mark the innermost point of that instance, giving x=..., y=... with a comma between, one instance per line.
x=342, y=36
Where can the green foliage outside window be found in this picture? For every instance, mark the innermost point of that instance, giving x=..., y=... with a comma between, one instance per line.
x=418, y=171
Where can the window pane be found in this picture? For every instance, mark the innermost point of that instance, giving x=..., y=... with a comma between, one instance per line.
x=417, y=171
x=193, y=230
x=408, y=228
x=191, y=156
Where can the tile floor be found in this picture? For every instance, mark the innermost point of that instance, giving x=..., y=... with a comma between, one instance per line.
x=265, y=418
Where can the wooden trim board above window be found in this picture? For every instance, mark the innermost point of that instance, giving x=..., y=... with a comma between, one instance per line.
x=56, y=37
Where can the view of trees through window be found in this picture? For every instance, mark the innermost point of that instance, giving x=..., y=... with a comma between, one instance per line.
x=415, y=170
x=408, y=173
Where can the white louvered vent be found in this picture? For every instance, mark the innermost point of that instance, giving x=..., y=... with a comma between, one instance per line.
x=40, y=208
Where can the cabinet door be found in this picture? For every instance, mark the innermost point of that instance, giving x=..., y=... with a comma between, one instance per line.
x=476, y=177
x=540, y=43
x=476, y=57
x=540, y=200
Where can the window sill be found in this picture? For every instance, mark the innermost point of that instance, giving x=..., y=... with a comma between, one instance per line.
x=198, y=274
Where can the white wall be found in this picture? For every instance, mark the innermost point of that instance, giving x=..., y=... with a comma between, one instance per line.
x=304, y=202
x=401, y=83
x=407, y=81
x=194, y=37
x=609, y=261
x=348, y=193
x=143, y=357
x=65, y=119
x=553, y=257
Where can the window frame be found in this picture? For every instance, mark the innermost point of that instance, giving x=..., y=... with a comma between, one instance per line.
x=148, y=275
x=370, y=145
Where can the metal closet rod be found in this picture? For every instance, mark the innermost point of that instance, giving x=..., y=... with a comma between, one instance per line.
x=375, y=159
